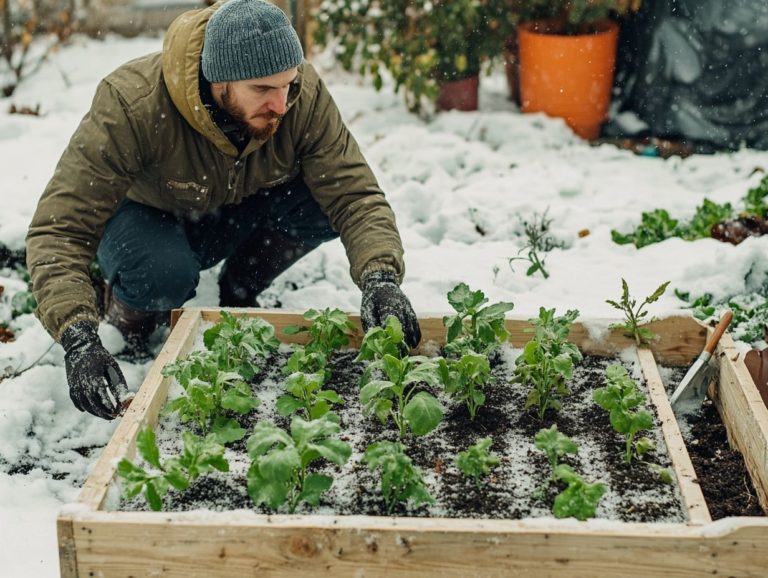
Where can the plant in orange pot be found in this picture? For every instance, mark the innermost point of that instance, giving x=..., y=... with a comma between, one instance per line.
x=566, y=59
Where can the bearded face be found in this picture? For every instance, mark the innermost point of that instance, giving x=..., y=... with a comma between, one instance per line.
x=260, y=125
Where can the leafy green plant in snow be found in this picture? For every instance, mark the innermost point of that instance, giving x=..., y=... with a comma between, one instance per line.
x=579, y=499
x=474, y=327
x=278, y=474
x=619, y=397
x=477, y=460
x=209, y=393
x=538, y=241
x=306, y=393
x=750, y=312
x=754, y=201
x=634, y=313
x=654, y=226
x=200, y=455
x=380, y=341
x=465, y=378
x=240, y=341
x=547, y=360
x=396, y=396
x=401, y=481
x=554, y=444
x=329, y=330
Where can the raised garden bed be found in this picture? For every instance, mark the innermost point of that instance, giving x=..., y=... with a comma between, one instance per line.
x=94, y=541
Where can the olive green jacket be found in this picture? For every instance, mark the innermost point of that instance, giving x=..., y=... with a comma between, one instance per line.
x=148, y=137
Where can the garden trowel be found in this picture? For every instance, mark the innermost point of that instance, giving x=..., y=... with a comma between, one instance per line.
x=692, y=390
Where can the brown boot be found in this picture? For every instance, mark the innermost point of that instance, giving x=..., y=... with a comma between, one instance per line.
x=135, y=325
x=254, y=266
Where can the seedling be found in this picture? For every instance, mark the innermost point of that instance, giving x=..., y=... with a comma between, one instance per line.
x=474, y=327
x=306, y=393
x=329, y=331
x=304, y=361
x=278, y=473
x=634, y=314
x=547, y=361
x=465, y=378
x=538, y=241
x=618, y=397
x=381, y=341
x=239, y=341
x=201, y=455
x=396, y=396
x=477, y=460
x=401, y=481
x=554, y=444
x=210, y=392
x=580, y=499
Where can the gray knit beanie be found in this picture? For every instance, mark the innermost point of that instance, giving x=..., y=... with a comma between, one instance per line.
x=248, y=39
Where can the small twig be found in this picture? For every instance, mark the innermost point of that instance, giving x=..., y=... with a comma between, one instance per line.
x=16, y=372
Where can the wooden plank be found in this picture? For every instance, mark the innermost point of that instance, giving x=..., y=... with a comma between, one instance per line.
x=67, y=548
x=744, y=414
x=292, y=546
x=693, y=498
x=681, y=339
x=144, y=410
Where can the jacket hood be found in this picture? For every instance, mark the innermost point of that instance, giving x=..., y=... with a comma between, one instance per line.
x=182, y=48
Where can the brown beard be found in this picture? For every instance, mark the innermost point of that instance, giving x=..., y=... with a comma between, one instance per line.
x=238, y=114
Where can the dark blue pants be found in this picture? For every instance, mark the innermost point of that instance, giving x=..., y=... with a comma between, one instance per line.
x=152, y=259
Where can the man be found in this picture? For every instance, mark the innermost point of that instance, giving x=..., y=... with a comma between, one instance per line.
x=225, y=146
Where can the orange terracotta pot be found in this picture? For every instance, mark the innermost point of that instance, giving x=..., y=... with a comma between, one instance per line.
x=570, y=77
x=459, y=94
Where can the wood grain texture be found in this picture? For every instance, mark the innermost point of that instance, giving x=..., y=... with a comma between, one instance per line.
x=290, y=547
x=744, y=414
x=693, y=498
x=67, y=547
x=144, y=410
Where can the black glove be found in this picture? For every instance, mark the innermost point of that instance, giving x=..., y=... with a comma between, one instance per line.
x=381, y=298
x=96, y=384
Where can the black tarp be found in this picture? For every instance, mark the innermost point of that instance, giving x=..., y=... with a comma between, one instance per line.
x=697, y=70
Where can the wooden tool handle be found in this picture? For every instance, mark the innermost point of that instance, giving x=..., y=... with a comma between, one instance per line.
x=725, y=320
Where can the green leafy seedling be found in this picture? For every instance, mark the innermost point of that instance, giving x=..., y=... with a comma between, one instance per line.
x=619, y=397
x=547, y=361
x=538, y=242
x=306, y=393
x=209, y=392
x=397, y=396
x=329, y=330
x=401, y=481
x=464, y=379
x=634, y=314
x=554, y=444
x=278, y=473
x=580, y=499
x=200, y=456
x=474, y=328
x=380, y=341
x=477, y=460
x=239, y=341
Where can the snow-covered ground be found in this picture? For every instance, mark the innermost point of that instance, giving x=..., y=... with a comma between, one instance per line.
x=459, y=185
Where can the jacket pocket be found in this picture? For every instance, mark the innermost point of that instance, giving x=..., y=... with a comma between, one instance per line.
x=188, y=194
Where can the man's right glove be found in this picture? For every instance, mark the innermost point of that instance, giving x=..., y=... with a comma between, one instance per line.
x=96, y=384
x=382, y=297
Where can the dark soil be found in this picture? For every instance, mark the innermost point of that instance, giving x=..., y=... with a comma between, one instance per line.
x=520, y=487
x=721, y=471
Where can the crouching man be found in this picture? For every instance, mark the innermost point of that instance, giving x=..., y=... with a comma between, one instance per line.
x=225, y=146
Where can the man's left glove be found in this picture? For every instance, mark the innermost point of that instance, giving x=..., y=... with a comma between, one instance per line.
x=382, y=297
x=96, y=384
